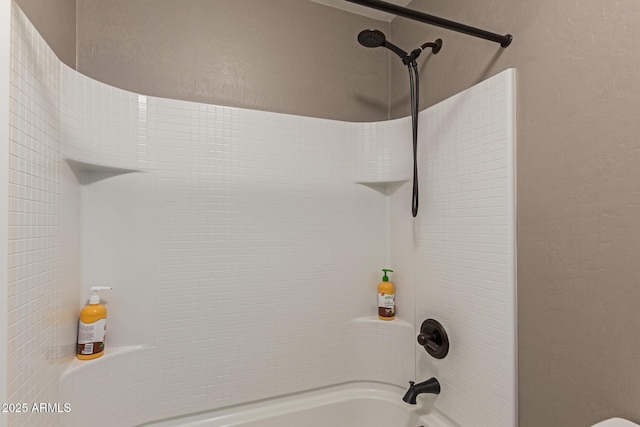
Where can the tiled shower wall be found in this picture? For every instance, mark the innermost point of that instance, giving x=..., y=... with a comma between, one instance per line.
x=34, y=242
x=465, y=251
x=249, y=252
x=244, y=259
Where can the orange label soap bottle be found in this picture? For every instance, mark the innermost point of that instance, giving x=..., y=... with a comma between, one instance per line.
x=92, y=327
x=386, y=298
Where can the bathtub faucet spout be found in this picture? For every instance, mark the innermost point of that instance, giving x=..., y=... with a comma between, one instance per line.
x=431, y=386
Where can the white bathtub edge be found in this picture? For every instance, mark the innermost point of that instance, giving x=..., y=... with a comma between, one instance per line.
x=304, y=400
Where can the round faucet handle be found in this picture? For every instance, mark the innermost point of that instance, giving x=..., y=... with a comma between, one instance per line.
x=424, y=339
x=434, y=338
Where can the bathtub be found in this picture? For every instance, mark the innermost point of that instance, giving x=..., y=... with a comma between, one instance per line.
x=348, y=405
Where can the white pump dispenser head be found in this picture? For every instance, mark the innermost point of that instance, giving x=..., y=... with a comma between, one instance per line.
x=95, y=298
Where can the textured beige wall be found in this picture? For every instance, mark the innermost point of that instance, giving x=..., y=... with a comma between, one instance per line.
x=578, y=70
x=289, y=56
x=56, y=23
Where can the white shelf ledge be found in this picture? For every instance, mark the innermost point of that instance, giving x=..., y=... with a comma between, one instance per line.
x=397, y=322
x=384, y=187
x=87, y=173
x=76, y=365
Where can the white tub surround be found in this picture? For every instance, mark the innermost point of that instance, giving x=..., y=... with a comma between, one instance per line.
x=5, y=90
x=34, y=291
x=465, y=251
x=244, y=249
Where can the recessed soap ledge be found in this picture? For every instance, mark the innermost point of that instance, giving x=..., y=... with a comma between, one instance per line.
x=384, y=187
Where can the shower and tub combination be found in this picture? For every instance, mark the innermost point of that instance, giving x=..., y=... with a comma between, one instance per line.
x=222, y=232
x=357, y=404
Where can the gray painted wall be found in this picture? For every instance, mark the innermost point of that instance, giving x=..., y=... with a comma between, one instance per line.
x=56, y=23
x=288, y=56
x=578, y=174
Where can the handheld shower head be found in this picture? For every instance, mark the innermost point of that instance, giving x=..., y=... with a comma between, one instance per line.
x=371, y=38
x=375, y=38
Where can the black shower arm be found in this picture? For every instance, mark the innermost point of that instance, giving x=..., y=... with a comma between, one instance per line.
x=395, y=49
x=504, y=40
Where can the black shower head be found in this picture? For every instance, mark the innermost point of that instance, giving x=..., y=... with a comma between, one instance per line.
x=371, y=38
x=375, y=38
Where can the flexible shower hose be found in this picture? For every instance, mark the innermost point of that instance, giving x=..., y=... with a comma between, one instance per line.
x=414, y=88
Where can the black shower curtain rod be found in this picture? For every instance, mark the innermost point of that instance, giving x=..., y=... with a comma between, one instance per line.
x=434, y=20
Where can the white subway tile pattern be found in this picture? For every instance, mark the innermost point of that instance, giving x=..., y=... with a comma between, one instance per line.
x=466, y=252
x=34, y=152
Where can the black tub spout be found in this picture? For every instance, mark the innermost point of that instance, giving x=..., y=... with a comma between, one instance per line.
x=431, y=386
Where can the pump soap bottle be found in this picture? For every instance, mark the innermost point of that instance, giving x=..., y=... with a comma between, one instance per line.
x=92, y=327
x=386, y=298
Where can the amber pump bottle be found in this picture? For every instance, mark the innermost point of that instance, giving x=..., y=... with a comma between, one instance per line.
x=386, y=298
x=92, y=327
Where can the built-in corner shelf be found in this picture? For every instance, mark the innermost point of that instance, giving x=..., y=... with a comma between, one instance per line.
x=110, y=354
x=397, y=322
x=384, y=187
x=88, y=173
